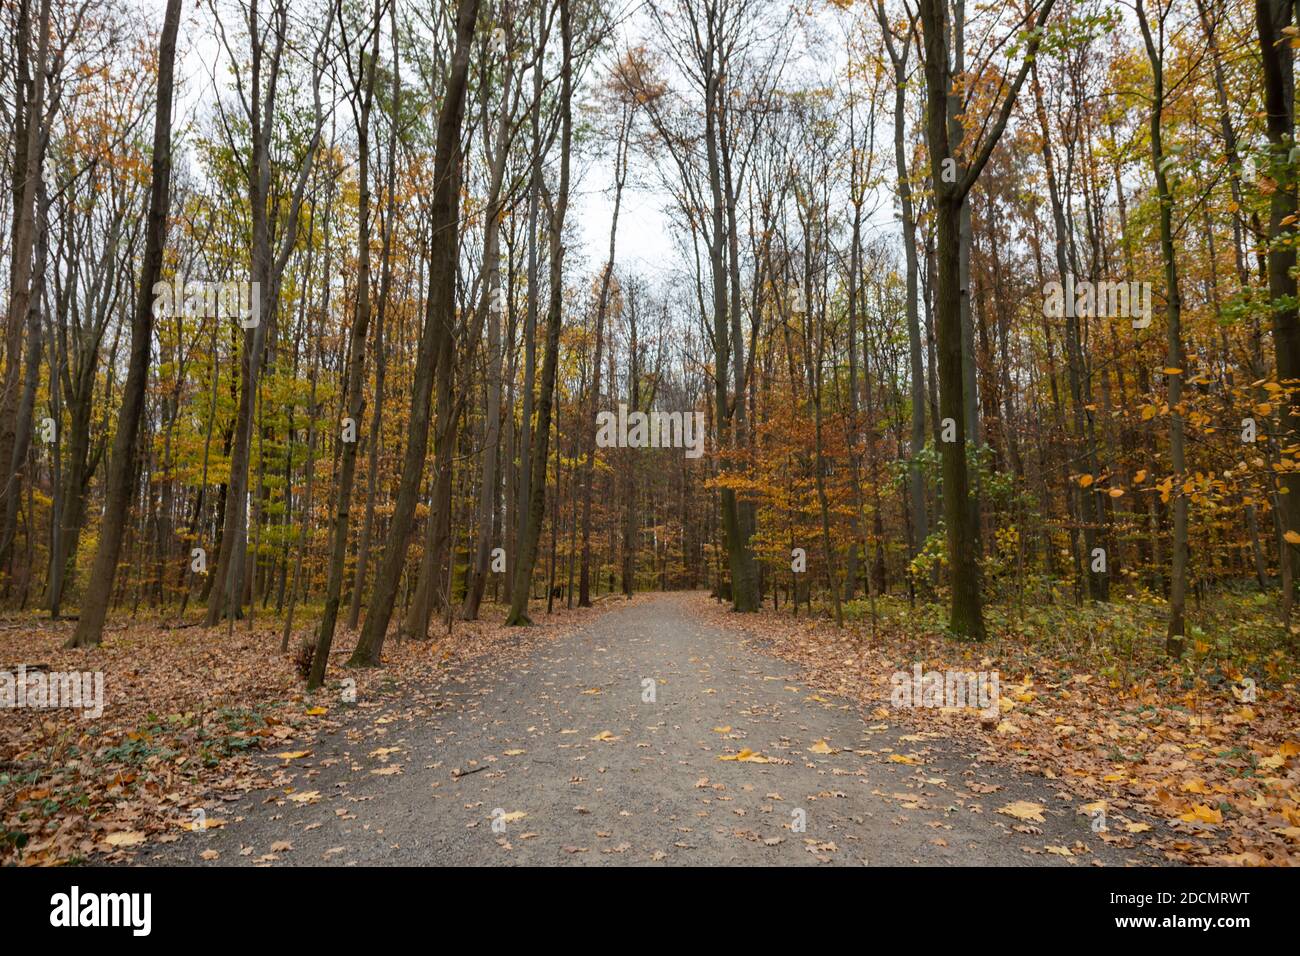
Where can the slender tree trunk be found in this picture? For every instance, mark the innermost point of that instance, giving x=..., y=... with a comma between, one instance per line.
x=602, y=306
x=951, y=179
x=28, y=173
x=438, y=320
x=120, y=490
x=532, y=520
x=381, y=363
x=1274, y=22
x=364, y=93
x=1174, y=640
x=268, y=263
x=898, y=53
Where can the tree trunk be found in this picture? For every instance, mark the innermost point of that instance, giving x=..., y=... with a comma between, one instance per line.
x=438, y=320
x=531, y=529
x=121, y=483
x=602, y=305
x=1174, y=640
x=1274, y=21
x=357, y=351
x=29, y=150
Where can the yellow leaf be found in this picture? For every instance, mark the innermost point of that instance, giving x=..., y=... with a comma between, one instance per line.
x=821, y=747
x=317, y=711
x=1024, y=810
x=903, y=758
x=1292, y=537
x=210, y=823
x=604, y=735
x=125, y=838
x=294, y=754
x=1085, y=481
x=1203, y=814
x=745, y=756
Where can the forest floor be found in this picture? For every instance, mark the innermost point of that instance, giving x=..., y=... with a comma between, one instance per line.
x=1197, y=759
x=560, y=757
x=661, y=730
x=192, y=719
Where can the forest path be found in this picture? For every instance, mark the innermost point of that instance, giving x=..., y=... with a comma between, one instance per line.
x=602, y=776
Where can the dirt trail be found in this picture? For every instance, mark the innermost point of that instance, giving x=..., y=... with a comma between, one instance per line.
x=576, y=762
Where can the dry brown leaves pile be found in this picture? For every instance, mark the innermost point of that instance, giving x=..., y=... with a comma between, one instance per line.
x=1221, y=775
x=185, y=712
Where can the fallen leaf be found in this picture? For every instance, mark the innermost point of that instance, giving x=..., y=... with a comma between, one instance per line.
x=125, y=838
x=745, y=756
x=1024, y=810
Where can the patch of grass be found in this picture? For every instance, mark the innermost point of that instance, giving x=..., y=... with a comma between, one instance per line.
x=139, y=750
x=239, y=724
x=1232, y=633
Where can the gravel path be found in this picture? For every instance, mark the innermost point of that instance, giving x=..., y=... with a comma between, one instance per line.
x=571, y=756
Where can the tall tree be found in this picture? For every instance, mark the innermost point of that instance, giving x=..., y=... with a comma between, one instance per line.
x=29, y=151
x=438, y=327
x=951, y=179
x=622, y=86
x=531, y=527
x=899, y=50
x=360, y=55
x=1155, y=47
x=121, y=479
x=1276, y=28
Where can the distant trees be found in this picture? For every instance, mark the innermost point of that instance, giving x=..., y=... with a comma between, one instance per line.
x=274, y=228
